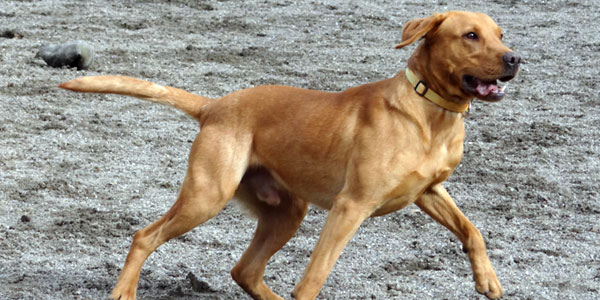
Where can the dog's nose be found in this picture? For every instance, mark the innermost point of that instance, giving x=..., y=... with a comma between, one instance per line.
x=511, y=59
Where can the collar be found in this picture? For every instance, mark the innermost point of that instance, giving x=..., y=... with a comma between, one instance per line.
x=423, y=90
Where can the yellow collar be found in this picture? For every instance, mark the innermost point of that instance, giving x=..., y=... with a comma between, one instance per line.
x=423, y=90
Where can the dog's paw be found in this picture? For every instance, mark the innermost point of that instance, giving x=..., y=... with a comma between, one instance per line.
x=487, y=283
x=122, y=295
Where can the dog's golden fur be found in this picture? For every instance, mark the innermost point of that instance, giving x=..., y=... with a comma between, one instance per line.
x=366, y=151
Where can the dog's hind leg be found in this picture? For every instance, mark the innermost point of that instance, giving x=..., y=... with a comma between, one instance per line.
x=276, y=225
x=438, y=204
x=218, y=160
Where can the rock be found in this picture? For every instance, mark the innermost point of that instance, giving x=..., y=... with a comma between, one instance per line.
x=198, y=285
x=72, y=54
x=10, y=34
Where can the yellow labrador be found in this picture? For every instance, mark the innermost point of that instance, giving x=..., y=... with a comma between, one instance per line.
x=367, y=151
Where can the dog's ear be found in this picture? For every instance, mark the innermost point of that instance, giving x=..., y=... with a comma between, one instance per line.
x=418, y=28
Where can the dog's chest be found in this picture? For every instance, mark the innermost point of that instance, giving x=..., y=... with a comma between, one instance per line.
x=419, y=170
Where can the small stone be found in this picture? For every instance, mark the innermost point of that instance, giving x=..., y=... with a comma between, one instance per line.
x=25, y=219
x=198, y=285
x=72, y=54
x=10, y=34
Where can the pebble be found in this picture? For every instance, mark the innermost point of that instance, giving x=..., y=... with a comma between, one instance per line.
x=72, y=54
x=198, y=286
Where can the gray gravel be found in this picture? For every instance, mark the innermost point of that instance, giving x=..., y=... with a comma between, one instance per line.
x=79, y=174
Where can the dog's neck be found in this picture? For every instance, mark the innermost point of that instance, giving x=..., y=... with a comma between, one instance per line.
x=423, y=90
x=420, y=64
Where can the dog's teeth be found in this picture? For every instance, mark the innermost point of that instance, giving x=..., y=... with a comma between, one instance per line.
x=503, y=88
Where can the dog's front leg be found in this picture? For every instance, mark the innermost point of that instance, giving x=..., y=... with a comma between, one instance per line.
x=345, y=217
x=438, y=204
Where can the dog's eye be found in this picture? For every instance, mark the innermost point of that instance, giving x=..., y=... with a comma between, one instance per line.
x=471, y=36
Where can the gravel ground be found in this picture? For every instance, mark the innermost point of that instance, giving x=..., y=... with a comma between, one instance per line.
x=79, y=174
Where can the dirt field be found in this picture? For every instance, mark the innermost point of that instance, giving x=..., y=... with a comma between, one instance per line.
x=79, y=174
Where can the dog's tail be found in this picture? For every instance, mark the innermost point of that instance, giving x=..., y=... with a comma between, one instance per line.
x=123, y=85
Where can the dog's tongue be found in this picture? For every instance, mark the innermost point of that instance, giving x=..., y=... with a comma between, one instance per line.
x=485, y=89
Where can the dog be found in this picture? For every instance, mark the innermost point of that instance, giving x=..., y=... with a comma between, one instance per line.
x=366, y=151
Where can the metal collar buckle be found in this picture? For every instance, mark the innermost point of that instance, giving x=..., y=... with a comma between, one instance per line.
x=425, y=88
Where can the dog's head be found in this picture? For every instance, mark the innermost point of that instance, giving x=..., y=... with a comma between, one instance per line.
x=462, y=56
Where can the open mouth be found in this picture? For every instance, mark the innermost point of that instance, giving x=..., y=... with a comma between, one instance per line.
x=488, y=90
